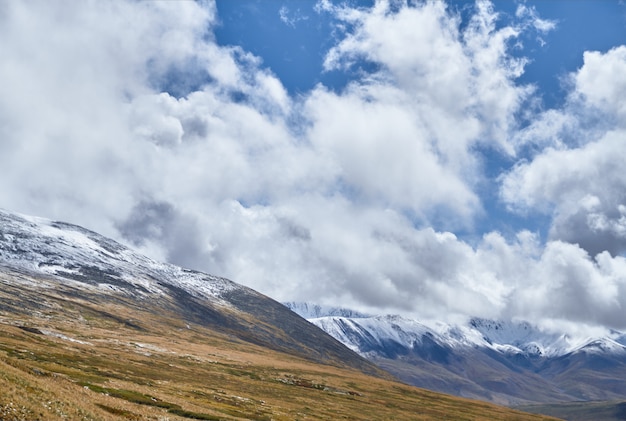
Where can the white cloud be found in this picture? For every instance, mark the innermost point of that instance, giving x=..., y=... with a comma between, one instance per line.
x=68, y=73
x=382, y=152
x=467, y=77
x=579, y=179
x=128, y=118
x=532, y=17
x=406, y=133
x=584, y=188
x=567, y=284
x=602, y=81
x=291, y=18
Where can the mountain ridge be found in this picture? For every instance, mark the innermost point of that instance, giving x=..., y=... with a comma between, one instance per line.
x=506, y=362
x=89, y=263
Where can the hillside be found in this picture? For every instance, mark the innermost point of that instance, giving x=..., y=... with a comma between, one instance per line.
x=90, y=330
x=75, y=262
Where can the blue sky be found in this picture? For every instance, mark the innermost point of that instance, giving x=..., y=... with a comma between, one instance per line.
x=291, y=38
x=294, y=43
x=433, y=159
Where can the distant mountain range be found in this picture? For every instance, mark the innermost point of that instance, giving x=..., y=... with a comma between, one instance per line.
x=509, y=363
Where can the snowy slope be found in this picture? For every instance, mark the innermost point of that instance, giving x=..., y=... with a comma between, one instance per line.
x=525, y=338
x=366, y=334
x=40, y=258
x=80, y=256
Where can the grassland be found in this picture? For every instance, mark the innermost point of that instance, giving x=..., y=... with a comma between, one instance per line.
x=78, y=357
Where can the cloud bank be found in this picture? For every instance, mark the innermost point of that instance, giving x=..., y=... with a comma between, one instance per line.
x=129, y=118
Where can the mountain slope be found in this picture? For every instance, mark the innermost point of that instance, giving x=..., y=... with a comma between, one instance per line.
x=85, y=263
x=90, y=330
x=503, y=362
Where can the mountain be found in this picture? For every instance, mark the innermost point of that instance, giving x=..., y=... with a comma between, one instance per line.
x=91, y=330
x=509, y=363
x=82, y=262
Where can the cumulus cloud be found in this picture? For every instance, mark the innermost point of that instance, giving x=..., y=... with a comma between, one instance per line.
x=574, y=287
x=577, y=179
x=130, y=119
x=70, y=72
x=601, y=81
x=406, y=132
x=446, y=74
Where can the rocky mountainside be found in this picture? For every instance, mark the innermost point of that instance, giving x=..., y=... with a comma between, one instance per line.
x=505, y=362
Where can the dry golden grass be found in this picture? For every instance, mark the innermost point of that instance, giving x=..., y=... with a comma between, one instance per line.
x=71, y=361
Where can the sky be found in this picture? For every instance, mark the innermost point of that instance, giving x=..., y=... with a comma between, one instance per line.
x=437, y=160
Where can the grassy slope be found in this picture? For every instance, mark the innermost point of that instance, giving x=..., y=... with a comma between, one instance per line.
x=77, y=359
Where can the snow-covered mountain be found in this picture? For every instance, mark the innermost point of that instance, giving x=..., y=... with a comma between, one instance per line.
x=504, y=361
x=80, y=256
x=369, y=334
x=524, y=338
x=40, y=258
